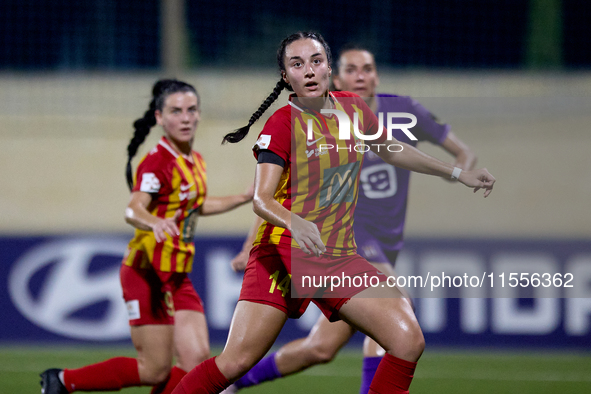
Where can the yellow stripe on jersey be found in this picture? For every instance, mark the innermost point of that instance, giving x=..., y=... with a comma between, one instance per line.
x=189, y=260
x=130, y=257
x=165, y=256
x=201, y=172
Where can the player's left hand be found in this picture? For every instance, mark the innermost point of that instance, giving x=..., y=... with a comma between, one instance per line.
x=478, y=179
x=239, y=262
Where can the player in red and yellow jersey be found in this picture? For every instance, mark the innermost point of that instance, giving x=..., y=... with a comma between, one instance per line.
x=179, y=188
x=324, y=197
x=317, y=217
x=165, y=313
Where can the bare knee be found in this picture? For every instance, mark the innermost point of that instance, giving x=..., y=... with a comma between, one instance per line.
x=410, y=347
x=418, y=346
x=320, y=353
x=152, y=373
x=237, y=366
x=190, y=358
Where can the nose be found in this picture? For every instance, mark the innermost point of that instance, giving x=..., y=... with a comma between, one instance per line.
x=309, y=70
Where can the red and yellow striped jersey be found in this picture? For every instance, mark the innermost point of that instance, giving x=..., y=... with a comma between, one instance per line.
x=174, y=183
x=321, y=177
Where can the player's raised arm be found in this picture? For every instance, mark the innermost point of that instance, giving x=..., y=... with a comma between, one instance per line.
x=413, y=159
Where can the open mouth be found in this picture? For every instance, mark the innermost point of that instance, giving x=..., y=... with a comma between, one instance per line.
x=311, y=84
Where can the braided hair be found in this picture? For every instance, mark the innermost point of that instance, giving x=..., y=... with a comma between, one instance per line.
x=239, y=134
x=160, y=91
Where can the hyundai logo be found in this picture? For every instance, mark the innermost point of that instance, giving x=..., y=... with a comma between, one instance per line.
x=68, y=287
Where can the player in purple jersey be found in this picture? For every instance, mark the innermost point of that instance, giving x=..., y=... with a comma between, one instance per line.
x=379, y=220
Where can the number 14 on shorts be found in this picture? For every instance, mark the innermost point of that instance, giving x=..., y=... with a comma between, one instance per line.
x=282, y=286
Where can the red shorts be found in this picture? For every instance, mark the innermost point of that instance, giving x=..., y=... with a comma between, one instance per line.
x=152, y=297
x=269, y=274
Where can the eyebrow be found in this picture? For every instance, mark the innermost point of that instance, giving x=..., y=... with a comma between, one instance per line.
x=299, y=57
x=348, y=65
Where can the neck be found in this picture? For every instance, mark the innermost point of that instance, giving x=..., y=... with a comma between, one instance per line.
x=184, y=148
x=317, y=103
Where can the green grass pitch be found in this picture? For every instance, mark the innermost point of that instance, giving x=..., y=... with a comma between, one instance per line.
x=439, y=372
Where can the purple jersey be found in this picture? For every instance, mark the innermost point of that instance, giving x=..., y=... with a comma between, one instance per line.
x=381, y=207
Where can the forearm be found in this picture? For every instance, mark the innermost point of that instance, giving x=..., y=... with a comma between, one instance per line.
x=140, y=218
x=465, y=158
x=272, y=211
x=413, y=159
x=215, y=205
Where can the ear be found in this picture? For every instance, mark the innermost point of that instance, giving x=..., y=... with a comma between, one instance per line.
x=158, y=116
x=284, y=76
x=329, y=71
x=337, y=82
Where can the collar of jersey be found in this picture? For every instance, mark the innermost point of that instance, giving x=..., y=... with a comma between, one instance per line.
x=164, y=143
x=305, y=109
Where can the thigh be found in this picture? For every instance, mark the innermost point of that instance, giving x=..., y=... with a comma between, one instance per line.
x=191, y=338
x=253, y=331
x=390, y=321
x=320, y=346
x=154, y=348
x=329, y=336
x=267, y=280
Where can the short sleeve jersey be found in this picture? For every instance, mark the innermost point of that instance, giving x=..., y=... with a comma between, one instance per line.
x=320, y=179
x=381, y=208
x=174, y=183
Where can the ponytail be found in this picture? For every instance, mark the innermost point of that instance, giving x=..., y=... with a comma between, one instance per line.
x=142, y=126
x=239, y=134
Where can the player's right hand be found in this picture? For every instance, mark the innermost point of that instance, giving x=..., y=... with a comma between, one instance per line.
x=167, y=226
x=307, y=236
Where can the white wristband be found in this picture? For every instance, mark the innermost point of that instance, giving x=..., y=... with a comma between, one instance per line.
x=455, y=174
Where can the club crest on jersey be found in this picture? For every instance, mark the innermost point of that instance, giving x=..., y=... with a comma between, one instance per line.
x=263, y=142
x=150, y=183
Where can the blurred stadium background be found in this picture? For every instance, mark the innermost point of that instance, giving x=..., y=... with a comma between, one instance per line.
x=512, y=77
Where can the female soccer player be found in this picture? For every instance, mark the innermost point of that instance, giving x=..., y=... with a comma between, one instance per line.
x=307, y=228
x=165, y=313
x=379, y=219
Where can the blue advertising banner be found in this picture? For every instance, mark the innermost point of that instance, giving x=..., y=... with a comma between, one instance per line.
x=66, y=289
